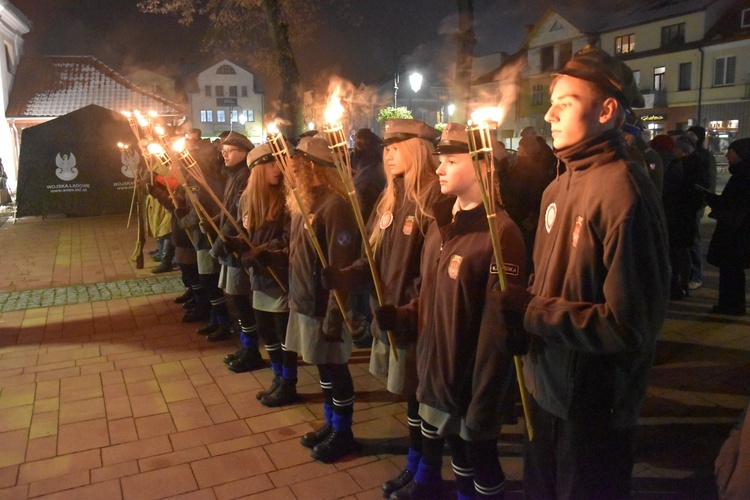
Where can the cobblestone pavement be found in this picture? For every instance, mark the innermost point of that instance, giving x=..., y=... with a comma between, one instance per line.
x=79, y=294
x=114, y=397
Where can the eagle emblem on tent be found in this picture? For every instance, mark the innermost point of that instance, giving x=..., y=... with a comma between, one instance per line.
x=66, y=166
x=130, y=161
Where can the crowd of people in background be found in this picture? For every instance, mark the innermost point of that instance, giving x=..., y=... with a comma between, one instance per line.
x=597, y=234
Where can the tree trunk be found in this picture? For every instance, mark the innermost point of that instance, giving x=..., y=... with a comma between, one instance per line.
x=290, y=96
x=465, y=42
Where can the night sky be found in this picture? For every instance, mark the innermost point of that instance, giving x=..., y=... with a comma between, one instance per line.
x=125, y=39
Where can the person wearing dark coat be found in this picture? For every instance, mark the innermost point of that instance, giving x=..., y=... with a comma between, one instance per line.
x=729, y=249
x=708, y=162
x=681, y=202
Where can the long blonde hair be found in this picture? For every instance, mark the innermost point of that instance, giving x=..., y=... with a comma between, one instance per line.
x=421, y=165
x=260, y=201
x=306, y=172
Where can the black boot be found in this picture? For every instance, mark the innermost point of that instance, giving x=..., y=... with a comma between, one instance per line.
x=249, y=361
x=285, y=394
x=163, y=267
x=337, y=445
x=418, y=490
x=277, y=381
x=224, y=332
x=197, y=314
x=238, y=353
x=397, y=483
x=312, y=439
x=188, y=295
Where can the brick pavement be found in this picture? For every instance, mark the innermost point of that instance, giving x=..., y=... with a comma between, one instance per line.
x=116, y=398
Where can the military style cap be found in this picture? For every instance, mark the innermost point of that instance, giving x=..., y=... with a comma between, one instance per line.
x=315, y=149
x=455, y=139
x=261, y=154
x=614, y=77
x=400, y=129
x=239, y=140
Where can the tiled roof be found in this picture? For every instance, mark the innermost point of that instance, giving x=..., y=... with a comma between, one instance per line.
x=47, y=86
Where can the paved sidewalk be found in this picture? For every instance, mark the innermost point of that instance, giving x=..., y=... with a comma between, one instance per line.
x=116, y=398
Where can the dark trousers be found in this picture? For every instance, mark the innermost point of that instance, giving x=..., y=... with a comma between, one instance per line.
x=732, y=289
x=576, y=460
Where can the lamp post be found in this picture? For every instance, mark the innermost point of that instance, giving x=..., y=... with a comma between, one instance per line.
x=415, y=80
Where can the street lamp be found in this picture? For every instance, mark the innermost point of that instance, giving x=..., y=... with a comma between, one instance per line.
x=415, y=81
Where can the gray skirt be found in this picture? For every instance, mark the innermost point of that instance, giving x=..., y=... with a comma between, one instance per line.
x=447, y=425
x=304, y=335
x=234, y=281
x=402, y=374
x=206, y=263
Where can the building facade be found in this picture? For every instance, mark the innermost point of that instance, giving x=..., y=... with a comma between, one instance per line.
x=13, y=26
x=225, y=97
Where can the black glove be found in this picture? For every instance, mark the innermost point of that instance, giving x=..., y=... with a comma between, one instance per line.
x=218, y=250
x=330, y=278
x=712, y=199
x=515, y=298
x=236, y=244
x=181, y=212
x=257, y=259
x=496, y=319
x=387, y=317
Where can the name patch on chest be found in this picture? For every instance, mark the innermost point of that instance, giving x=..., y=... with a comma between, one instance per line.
x=454, y=266
x=408, y=225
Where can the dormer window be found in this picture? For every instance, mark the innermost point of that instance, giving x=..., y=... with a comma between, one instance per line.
x=225, y=69
x=745, y=21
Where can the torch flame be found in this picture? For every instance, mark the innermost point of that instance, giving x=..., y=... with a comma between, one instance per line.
x=126, y=113
x=141, y=120
x=334, y=110
x=159, y=130
x=273, y=127
x=155, y=149
x=179, y=145
x=492, y=114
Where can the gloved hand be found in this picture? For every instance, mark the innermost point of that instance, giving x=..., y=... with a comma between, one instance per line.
x=235, y=244
x=510, y=322
x=386, y=316
x=712, y=199
x=218, y=250
x=518, y=339
x=330, y=278
x=257, y=259
x=514, y=298
x=181, y=212
x=332, y=327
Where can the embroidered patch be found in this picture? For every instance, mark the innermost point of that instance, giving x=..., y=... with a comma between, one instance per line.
x=577, y=230
x=408, y=225
x=493, y=268
x=511, y=269
x=652, y=166
x=549, y=216
x=310, y=218
x=454, y=266
x=344, y=239
x=195, y=189
x=386, y=219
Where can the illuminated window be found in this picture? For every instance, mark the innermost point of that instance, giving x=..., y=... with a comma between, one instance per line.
x=221, y=116
x=225, y=69
x=207, y=115
x=625, y=44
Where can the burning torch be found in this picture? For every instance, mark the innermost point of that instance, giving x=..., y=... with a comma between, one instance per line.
x=281, y=155
x=480, y=132
x=334, y=132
